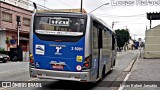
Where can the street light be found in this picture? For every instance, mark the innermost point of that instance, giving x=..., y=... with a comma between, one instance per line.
x=99, y=7
x=113, y=23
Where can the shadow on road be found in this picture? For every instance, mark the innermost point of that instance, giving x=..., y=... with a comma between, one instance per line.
x=71, y=85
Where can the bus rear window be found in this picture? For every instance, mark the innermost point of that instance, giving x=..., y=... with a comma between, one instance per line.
x=63, y=26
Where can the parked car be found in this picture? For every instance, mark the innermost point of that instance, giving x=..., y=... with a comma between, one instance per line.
x=4, y=58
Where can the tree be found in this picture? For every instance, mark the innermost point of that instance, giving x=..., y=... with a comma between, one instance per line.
x=122, y=37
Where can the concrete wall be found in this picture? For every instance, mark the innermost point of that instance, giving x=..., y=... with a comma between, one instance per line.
x=152, y=43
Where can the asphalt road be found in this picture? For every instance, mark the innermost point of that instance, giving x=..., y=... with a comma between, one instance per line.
x=19, y=71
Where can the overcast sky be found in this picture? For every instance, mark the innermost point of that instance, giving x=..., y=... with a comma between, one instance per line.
x=131, y=16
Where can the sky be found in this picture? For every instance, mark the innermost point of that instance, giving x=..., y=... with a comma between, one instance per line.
x=130, y=14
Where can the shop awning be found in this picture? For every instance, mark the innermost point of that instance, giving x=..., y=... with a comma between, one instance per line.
x=23, y=38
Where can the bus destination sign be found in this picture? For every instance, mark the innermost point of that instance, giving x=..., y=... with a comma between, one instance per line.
x=59, y=21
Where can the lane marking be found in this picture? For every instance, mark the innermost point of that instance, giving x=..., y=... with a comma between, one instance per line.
x=123, y=83
x=127, y=76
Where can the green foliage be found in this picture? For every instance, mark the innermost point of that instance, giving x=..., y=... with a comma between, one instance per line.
x=7, y=40
x=122, y=37
x=1, y=49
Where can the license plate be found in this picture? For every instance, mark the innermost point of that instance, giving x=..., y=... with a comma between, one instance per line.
x=57, y=66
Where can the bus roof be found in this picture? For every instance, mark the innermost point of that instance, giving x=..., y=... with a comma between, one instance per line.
x=63, y=10
x=60, y=13
x=102, y=22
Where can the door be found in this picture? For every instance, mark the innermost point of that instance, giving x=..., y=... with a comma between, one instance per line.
x=97, y=45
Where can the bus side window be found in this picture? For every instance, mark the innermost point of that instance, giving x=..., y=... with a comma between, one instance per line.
x=95, y=35
x=113, y=42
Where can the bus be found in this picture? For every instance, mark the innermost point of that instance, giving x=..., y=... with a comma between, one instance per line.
x=71, y=46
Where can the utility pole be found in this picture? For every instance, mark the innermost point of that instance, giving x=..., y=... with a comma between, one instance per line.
x=19, y=50
x=126, y=27
x=146, y=27
x=18, y=24
x=81, y=9
x=113, y=23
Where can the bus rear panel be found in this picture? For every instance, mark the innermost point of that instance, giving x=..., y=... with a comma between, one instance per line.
x=58, y=48
x=71, y=46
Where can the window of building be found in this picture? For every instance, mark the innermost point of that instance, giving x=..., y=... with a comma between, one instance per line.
x=26, y=21
x=6, y=17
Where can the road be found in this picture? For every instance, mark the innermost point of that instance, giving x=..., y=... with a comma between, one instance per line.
x=19, y=71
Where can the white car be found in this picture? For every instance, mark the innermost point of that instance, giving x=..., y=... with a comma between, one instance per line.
x=4, y=58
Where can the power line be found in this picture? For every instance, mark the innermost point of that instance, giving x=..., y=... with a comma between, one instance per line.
x=100, y=9
x=65, y=4
x=115, y=16
x=104, y=8
x=38, y=5
x=30, y=3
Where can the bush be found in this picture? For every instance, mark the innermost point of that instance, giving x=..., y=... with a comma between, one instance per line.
x=2, y=49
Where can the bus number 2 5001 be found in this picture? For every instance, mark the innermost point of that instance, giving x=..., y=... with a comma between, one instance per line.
x=77, y=48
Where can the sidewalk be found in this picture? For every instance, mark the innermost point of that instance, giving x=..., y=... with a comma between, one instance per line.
x=146, y=70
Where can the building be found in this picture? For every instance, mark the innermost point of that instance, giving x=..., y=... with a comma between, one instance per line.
x=8, y=26
x=19, y=3
x=152, y=43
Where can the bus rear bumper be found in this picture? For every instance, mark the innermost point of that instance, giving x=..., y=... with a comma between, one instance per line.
x=60, y=75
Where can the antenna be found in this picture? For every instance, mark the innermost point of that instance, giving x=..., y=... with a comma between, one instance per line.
x=35, y=7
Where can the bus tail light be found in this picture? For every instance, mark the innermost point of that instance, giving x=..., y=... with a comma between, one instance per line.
x=87, y=63
x=31, y=58
x=31, y=61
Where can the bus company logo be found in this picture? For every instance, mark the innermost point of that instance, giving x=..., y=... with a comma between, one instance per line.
x=40, y=49
x=58, y=51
